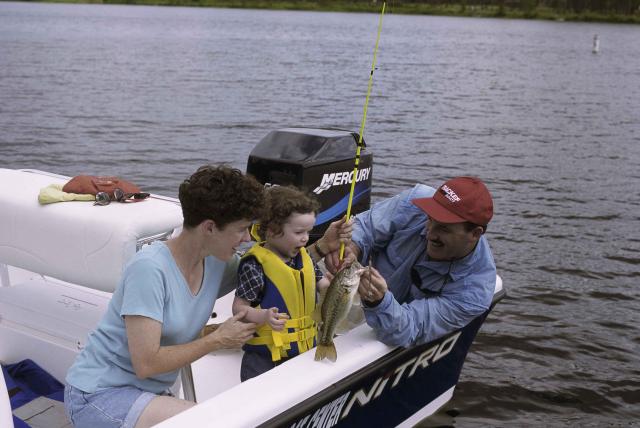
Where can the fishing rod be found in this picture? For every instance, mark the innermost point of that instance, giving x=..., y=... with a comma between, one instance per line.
x=364, y=119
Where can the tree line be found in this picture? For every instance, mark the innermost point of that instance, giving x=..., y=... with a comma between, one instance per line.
x=625, y=7
x=578, y=10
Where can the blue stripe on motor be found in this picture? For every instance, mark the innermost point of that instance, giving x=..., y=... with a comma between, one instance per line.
x=340, y=207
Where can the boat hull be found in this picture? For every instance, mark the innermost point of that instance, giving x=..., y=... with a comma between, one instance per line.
x=403, y=383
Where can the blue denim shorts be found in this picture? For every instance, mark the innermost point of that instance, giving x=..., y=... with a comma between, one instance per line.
x=107, y=408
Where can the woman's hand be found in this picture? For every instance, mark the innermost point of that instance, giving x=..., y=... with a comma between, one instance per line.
x=233, y=333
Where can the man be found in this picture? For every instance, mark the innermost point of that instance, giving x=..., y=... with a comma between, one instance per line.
x=432, y=269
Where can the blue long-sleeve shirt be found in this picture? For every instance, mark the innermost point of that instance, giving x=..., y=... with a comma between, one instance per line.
x=451, y=294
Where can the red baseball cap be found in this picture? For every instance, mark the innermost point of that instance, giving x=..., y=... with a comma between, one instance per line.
x=458, y=200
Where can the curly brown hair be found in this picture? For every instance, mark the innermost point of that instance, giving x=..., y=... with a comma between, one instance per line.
x=222, y=194
x=281, y=202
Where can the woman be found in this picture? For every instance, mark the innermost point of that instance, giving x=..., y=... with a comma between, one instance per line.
x=152, y=325
x=154, y=320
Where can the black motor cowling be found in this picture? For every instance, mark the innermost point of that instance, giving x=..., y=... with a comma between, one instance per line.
x=319, y=161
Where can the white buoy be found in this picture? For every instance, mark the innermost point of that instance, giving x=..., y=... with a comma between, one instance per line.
x=596, y=44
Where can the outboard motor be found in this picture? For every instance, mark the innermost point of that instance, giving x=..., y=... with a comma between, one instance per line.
x=319, y=161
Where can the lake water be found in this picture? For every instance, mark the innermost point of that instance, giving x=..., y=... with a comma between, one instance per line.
x=151, y=93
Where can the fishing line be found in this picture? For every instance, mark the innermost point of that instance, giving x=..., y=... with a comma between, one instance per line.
x=364, y=119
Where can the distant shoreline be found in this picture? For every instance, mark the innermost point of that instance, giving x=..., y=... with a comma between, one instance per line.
x=393, y=7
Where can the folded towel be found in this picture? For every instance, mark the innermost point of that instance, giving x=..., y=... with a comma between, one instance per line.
x=53, y=193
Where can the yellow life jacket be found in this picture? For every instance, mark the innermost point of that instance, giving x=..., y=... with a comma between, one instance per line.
x=292, y=291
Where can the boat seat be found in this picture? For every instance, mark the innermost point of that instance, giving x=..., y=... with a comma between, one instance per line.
x=76, y=242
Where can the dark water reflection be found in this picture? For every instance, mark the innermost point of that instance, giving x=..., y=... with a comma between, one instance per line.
x=151, y=93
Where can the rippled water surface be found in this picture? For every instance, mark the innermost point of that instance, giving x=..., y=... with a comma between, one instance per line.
x=151, y=93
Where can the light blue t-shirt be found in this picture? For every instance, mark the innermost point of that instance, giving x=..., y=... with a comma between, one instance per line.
x=153, y=286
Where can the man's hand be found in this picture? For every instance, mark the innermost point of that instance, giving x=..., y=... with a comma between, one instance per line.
x=372, y=287
x=338, y=232
x=233, y=333
x=332, y=260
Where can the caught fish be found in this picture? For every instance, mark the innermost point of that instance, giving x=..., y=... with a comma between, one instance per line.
x=334, y=308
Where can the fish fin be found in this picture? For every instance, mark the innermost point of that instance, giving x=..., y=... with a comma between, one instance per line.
x=356, y=300
x=356, y=313
x=326, y=351
x=322, y=293
x=316, y=315
x=343, y=327
x=354, y=318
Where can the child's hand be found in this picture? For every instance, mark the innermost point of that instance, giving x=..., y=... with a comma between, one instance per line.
x=275, y=319
x=329, y=277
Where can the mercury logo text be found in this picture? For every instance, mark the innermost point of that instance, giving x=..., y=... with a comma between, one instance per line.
x=340, y=178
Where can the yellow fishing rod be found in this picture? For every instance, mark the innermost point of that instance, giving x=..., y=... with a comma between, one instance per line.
x=364, y=119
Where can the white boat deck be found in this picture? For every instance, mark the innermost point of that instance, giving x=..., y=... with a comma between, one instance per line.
x=218, y=387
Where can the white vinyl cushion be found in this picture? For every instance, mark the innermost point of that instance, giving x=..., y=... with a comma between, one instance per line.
x=75, y=241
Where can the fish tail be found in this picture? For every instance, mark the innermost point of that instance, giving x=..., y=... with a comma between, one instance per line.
x=326, y=351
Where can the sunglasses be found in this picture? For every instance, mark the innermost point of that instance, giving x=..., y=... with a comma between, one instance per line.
x=103, y=198
x=417, y=281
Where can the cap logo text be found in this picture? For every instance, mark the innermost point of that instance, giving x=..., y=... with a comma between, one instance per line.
x=450, y=194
